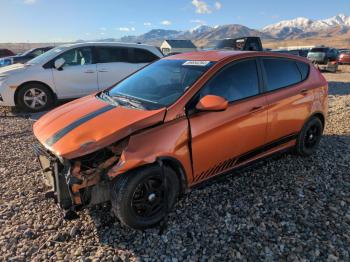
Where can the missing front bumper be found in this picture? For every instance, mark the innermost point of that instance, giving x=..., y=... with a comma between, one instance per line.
x=70, y=191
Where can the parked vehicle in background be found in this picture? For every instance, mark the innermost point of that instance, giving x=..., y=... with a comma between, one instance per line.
x=297, y=52
x=344, y=57
x=24, y=57
x=6, y=52
x=71, y=71
x=323, y=55
x=176, y=123
x=250, y=43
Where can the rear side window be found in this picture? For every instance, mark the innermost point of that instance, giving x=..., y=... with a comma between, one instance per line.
x=113, y=54
x=234, y=82
x=143, y=56
x=304, y=70
x=281, y=73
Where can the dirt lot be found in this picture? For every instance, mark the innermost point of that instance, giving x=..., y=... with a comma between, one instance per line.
x=287, y=208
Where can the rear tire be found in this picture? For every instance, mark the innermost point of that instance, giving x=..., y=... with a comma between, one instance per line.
x=309, y=137
x=35, y=97
x=138, y=197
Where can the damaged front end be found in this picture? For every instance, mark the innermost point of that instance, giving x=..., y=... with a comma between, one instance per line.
x=82, y=181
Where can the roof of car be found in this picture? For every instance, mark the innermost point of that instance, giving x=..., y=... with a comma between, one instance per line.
x=108, y=44
x=213, y=55
x=217, y=55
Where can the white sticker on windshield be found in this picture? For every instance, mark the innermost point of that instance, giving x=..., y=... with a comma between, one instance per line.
x=196, y=63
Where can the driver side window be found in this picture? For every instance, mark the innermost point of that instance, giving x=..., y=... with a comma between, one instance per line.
x=235, y=82
x=77, y=57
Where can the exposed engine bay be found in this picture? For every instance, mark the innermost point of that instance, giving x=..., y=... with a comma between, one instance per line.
x=82, y=181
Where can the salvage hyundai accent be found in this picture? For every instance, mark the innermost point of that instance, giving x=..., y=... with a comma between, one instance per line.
x=178, y=122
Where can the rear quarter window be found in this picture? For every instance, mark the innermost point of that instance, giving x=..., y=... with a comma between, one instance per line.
x=281, y=73
x=143, y=56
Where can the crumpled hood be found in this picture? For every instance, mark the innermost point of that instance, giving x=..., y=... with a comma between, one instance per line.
x=89, y=124
x=15, y=68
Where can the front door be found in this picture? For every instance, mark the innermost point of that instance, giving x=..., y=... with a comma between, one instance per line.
x=220, y=138
x=78, y=77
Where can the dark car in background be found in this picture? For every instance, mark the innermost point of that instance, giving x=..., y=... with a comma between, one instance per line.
x=323, y=55
x=249, y=43
x=297, y=52
x=24, y=57
x=6, y=52
x=344, y=57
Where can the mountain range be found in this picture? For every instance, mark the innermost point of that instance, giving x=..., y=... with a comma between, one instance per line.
x=295, y=29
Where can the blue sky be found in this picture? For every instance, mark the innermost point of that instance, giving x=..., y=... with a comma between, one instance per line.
x=69, y=20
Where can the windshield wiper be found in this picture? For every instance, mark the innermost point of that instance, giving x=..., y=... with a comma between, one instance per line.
x=132, y=102
x=104, y=95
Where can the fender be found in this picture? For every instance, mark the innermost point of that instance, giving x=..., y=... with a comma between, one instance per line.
x=167, y=141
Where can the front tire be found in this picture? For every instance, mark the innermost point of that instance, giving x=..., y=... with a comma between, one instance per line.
x=35, y=97
x=138, y=197
x=309, y=137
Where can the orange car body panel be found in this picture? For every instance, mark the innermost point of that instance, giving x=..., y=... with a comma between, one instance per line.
x=206, y=143
x=109, y=127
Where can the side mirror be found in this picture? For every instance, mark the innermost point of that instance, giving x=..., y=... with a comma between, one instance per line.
x=59, y=63
x=212, y=103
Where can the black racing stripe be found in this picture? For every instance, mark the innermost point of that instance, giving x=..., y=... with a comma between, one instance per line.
x=61, y=133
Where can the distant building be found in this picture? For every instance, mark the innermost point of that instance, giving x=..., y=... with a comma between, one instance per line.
x=177, y=46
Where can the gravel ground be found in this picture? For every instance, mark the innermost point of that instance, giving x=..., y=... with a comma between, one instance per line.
x=287, y=208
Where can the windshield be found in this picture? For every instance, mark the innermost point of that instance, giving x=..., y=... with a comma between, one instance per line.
x=319, y=50
x=43, y=58
x=161, y=83
x=26, y=52
x=236, y=44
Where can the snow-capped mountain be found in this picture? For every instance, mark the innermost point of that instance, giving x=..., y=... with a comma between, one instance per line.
x=301, y=26
x=298, y=28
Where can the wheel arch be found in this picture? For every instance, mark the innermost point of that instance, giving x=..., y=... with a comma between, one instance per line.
x=320, y=116
x=32, y=82
x=179, y=170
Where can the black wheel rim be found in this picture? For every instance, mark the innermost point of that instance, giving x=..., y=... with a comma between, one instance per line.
x=312, y=136
x=147, y=200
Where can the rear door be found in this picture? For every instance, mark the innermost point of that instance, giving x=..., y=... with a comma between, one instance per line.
x=78, y=77
x=116, y=63
x=220, y=138
x=289, y=97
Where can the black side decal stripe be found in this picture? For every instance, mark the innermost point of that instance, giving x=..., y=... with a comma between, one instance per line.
x=245, y=157
x=61, y=133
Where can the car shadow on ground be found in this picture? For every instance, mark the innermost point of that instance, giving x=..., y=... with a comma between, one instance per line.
x=273, y=201
x=339, y=88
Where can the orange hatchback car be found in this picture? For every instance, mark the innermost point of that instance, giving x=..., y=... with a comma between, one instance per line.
x=177, y=122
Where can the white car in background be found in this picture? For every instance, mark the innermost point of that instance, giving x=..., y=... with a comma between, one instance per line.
x=71, y=71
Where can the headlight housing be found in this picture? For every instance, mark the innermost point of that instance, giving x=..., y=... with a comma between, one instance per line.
x=6, y=62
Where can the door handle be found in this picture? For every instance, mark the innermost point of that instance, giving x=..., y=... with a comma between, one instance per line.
x=103, y=70
x=89, y=71
x=256, y=108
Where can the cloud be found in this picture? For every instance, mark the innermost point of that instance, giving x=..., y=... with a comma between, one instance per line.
x=201, y=7
x=103, y=29
x=147, y=24
x=30, y=2
x=166, y=22
x=218, y=5
x=126, y=29
x=198, y=21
